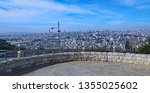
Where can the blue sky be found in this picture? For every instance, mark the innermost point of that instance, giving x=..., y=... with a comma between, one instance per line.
x=74, y=15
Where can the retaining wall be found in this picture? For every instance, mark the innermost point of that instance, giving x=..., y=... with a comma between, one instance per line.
x=12, y=65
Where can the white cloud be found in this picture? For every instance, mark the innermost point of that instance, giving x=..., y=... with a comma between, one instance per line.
x=47, y=12
x=126, y=2
x=54, y=10
x=46, y=5
x=14, y=11
x=132, y=2
x=143, y=7
x=138, y=4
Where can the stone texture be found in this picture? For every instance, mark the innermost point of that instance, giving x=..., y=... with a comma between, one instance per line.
x=74, y=56
x=90, y=68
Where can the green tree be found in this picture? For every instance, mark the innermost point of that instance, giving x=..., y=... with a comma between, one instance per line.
x=145, y=48
x=4, y=45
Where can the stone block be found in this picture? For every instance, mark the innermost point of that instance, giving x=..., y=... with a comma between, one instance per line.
x=110, y=53
x=127, y=54
x=132, y=55
x=110, y=60
x=147, y=63
x=103, y=60
x=114, y=60
x=115, y=54
x=119, y=60
x=138, y=55
x=138, y=59
x=135, y=62
x=143, y=55
x=121, y=57
x=121, y=54
x=148, y=59
x=131, y=62
x=138, y=62
x=144, y=59
x=124, y=61
x=133, y=58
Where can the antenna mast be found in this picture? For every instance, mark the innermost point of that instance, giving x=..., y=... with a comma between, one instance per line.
x=58, y=26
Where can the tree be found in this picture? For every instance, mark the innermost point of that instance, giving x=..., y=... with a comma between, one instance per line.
x=127, y=45
x=145, y=48
x=4, y=45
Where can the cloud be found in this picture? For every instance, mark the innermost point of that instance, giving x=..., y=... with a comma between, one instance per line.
x=24, y=11
x=138, y=4
x=44, y=10
x=45, y=5
x=132, y=2
x=45, y=13
x=143, y=7
x=126, y=2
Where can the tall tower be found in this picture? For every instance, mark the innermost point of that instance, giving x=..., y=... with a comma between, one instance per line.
x=58, y=27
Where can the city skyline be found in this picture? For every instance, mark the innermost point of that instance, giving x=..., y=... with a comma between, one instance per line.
x=74, y=15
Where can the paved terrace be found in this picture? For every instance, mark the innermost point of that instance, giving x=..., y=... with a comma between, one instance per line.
x=81, y=63
x=90, y=68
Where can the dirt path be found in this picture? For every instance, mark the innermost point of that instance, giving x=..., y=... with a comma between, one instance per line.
x=92, y=69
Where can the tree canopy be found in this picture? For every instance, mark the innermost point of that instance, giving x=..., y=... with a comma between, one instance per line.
x=4, y=45
x=145, y=48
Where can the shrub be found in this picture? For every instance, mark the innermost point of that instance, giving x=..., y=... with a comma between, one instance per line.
x=4, y=45
x=145, y=48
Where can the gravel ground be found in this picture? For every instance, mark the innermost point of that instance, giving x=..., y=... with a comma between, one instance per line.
x=83, y=68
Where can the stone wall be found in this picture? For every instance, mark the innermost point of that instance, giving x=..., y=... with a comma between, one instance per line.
x=16, y=64
x=115, y=57
x=29, y=62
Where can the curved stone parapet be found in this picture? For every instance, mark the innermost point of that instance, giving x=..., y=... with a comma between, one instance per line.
x=13, y=66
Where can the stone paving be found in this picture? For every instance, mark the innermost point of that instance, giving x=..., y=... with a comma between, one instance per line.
x=89, y=68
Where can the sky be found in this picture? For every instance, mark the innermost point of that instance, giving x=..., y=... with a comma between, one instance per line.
x=73, y=15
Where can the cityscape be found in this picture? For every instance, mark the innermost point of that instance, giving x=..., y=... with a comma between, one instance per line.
x=75, y=38
x=80, y=40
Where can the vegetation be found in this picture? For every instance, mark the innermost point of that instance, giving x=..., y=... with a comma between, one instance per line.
x=145, y=48
x=127, y=45
x=4, y=45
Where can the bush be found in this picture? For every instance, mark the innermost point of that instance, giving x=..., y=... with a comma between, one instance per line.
x=145, y=48
x=4, y=45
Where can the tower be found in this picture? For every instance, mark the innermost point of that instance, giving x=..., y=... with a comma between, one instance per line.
x=58, y=27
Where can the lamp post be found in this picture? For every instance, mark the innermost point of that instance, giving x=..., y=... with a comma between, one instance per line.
x=3, y=53
x=114, y=46
x=19, y=51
